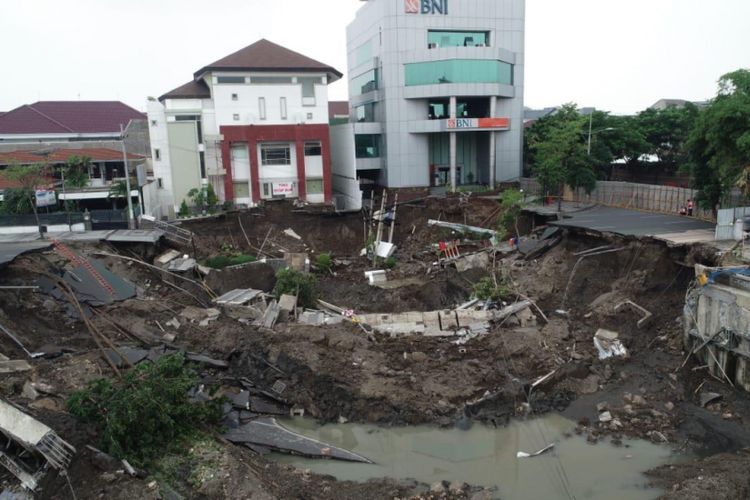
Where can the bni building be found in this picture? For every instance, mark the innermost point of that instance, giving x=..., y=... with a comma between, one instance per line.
x=436, y=91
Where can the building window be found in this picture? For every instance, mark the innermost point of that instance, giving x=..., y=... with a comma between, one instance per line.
x=363, y=53
x=160, y=183
x=313, y=149
x=270, y=80
x=364, y=83
x=275, y=154
x=309, y=116
x=314, y=186
x=308, y=86
x=282, y=104
x=436, y=39
x=459, y=71
x=153, y=123
x=236, y=117
x=366, y=112
x=262, y=107
x=367, y=146
x=241, y=189
x=230, y=79
x=157, y=154
x=235, y=97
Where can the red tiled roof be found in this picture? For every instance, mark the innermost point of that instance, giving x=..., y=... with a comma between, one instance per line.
x=61, y=156
x=338, y=108
x=68, y=117
x=197, y=89
x=268, y=56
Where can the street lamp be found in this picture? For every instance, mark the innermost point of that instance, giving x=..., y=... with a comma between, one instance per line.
x=591, y=123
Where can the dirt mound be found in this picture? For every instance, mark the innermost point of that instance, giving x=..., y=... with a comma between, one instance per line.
x=721, y=476
x=257, y=275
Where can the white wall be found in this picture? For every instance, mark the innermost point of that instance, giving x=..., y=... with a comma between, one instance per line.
x=344, y=166
x=247, y=105
x=159, y=140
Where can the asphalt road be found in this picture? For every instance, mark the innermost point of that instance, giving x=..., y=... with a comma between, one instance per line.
x=633, y=222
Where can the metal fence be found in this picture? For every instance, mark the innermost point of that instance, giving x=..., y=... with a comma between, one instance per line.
x=59, y=218
x=650, y=197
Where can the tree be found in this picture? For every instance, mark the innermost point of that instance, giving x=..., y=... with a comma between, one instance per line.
x=76, y=171
x=16, y=202
x=560, y=153
x=666, y=132
x=205, y=199
x=29, y=177
x=719, y=143
x=510, y=205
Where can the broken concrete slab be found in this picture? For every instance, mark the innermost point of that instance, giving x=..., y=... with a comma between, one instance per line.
x=318, y=318
x=34, y=437
x=268, y=433
x=287, y=303
x=376, y=277
x=196, y=314
x=14, y=366
x=473, y=261
x=292, y=234
x=182, y=265
x=166, y=257
x=269, y=316
x=238, y=297
x=385, y=249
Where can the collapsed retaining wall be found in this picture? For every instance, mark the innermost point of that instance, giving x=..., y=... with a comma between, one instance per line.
x=717, y=330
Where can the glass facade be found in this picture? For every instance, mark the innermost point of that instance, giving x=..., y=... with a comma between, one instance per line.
x=230, y=79
x=459, y=71
x=270, y=80
x=437, y=39
x=366, y=112
x=364, y=83
x=367, y=146
x=363, y=53
x=275, y=154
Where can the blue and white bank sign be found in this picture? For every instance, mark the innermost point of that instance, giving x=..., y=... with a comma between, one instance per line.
x=426, y=7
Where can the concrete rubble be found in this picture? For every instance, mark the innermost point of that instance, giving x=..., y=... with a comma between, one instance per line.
x=34, y=439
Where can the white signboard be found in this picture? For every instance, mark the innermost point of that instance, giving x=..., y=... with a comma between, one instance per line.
x=284, y=188
x=45, y=198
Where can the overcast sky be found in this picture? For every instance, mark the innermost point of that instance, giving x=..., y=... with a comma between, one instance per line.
x=616, y=55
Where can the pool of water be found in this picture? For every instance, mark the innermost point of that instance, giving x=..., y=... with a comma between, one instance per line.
x=486, y=456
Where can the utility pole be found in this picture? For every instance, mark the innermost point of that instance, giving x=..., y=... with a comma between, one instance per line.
x=591, y=124
x=127, y=178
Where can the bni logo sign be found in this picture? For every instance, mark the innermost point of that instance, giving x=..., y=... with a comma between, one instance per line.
x=426, y=6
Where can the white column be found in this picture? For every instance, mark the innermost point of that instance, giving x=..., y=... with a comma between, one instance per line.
x=493, y=147
x=452, y=111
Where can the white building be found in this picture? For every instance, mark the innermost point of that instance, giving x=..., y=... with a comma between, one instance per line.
x=436, y=91
x=254, y=124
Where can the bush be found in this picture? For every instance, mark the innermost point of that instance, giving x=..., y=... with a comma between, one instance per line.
x=184, y=210
x=485, y=289
x=390, y=262
x=324, y=262
x=222, y=261
x=289, y=282
x=147, y=411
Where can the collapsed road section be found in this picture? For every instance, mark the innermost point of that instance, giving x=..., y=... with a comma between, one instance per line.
x=278, y=313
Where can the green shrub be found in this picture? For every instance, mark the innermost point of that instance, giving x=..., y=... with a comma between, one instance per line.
x=390, y=262
x=324, y=262
x=184, y=210
x=147, y=411
x=485, y=289
x=289, y=282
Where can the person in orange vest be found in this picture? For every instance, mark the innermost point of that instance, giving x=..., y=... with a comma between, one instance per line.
x=690, y=208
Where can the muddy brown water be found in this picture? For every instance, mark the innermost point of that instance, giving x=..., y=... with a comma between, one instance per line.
x=486, y=456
